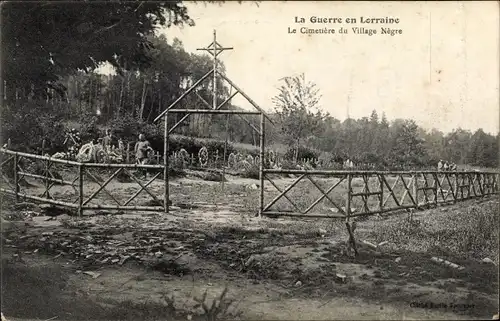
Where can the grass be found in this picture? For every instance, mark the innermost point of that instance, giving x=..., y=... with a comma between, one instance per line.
x=464, y=231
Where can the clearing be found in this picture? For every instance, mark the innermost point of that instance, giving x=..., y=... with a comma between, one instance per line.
x=152, y=266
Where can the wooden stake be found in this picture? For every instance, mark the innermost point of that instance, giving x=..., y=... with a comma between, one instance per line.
x=16, y=178
x=261, y=162
x=80, y=189
x=165, y=164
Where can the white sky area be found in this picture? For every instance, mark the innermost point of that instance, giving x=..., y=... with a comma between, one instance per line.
x=442, y=71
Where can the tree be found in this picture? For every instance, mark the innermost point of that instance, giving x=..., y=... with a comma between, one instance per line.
x=297, y=108
x=434, y=144
x=456, y=146
x=407, y=146
x=483, y=150
x=43, y=40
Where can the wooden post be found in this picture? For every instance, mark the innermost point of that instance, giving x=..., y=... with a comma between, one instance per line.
x=348, y=199
x=348, y=216
x=225, y=152
x=381, y=202
x=214, y=87
x=455, y=186
x=261, y=163
x=9, y=144
x=80, y=190
x=47, y=182
x=165, y=164
x=16, y=178
x=415, y=190
x=128, y=153
x=43, y=147
x=469, y=192
x=435, y=190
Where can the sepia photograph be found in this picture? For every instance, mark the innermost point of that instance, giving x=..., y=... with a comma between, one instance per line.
x=249, y=160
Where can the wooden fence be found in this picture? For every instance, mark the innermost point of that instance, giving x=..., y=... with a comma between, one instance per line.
x=84, y=190
x=361, y=193
x=337, y=194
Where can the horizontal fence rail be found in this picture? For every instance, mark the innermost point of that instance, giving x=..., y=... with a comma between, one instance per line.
x=305, y=193
x=344, y=194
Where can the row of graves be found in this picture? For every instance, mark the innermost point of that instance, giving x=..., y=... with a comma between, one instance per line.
x=98, y=152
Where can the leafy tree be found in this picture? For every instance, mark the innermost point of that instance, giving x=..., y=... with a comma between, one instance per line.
x=407, y=149
x=296, y=106
x=456, y=146
x=42, y=40
x=483, y=150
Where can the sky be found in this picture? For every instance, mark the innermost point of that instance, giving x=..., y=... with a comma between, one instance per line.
x=442, y=71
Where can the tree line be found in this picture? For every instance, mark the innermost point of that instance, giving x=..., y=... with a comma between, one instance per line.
x=400, y=143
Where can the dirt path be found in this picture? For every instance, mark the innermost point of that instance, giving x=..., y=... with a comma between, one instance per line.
x=273, y=269
x=72, y=295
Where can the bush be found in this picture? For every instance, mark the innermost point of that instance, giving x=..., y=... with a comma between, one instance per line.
x=28, y=123
x=88, y=127
x=304, y=152
x=251, y=172
x=288, y=164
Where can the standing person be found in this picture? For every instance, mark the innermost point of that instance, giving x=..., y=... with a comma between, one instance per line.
x=107, y=141
x=142, y=147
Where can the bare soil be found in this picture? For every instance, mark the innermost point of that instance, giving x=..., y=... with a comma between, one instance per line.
x=151, y=266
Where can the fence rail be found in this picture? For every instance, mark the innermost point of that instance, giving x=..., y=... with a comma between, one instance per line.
x=362, y=193
x=337, y=194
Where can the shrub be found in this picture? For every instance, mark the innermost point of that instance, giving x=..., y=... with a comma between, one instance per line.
x=288, y=164
x=304, y=152
x=251, y=172
x=88, y=127
x=28, y=123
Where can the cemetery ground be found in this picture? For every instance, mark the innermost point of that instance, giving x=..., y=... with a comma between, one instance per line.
x=155, y=266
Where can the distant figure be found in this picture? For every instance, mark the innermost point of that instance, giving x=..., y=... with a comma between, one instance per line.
x=446, y=166
x=121, y=146
x=440, y=165
x=107, y=141
x=142, y=148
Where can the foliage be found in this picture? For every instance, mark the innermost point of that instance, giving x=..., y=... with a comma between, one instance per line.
x=407, y=150
x=471, y=232
x=27, y=129
x=296, y=105
x=474, y=231
x=89, y=127
x=251, y=172
x=55, y=46
x=42, y=40
x=303, y=153
x=193, y=145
